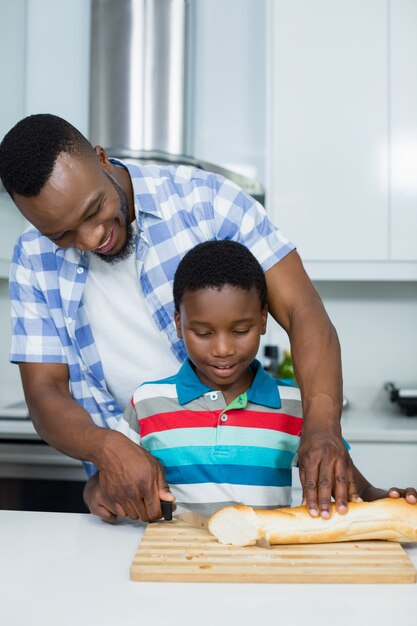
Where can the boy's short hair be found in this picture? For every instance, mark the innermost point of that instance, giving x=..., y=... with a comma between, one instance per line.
x=214, y=264
x=30, y=149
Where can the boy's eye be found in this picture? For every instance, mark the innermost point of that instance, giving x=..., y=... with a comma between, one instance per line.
x=242, y=331
x=202, y=334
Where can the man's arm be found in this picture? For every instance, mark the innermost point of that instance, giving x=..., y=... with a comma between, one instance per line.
x=129, y=476
x=324, y=462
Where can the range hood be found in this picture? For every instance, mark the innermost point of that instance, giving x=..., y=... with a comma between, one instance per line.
x=141, y=86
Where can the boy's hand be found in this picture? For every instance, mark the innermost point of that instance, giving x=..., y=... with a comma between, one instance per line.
x=132, y=480
x=409, y=493
x=98, y=503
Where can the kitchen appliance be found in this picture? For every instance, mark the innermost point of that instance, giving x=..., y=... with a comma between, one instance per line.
x=141, y=84
x=176, y=552
x=405, y=398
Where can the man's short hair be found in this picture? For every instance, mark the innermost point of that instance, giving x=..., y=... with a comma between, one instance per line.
x=30, y=149
x=215, y=264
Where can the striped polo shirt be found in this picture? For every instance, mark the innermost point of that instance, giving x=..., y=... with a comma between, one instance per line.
x=216, y=454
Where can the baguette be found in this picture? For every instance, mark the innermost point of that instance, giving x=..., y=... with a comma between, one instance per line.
x=389, y=518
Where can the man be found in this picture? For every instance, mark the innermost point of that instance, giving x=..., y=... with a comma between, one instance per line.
x=91, y=293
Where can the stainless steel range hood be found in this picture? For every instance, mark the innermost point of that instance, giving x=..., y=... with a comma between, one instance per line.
x=141, y=86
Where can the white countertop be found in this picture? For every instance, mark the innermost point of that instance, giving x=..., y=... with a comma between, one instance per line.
x=72, y=569
x=384, y=425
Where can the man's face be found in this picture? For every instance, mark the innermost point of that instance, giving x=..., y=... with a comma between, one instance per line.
x=82, y=206
x=221, y=331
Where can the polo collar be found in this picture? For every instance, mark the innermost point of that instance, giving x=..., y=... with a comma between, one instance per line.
x=263, y=390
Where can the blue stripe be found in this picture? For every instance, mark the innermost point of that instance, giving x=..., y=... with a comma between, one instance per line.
x=227, y=455
x=232, y=474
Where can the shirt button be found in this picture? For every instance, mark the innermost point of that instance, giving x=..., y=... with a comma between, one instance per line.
x=214, y=396
x=111, y=407
x=224, y=418
x=80, y=270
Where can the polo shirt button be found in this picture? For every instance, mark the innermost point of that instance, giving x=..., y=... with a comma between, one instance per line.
x=214, y=396
x=111, y=407
x=80, y=270
x=224, y=418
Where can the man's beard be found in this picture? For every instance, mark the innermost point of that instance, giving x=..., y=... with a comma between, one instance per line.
x=130, y=243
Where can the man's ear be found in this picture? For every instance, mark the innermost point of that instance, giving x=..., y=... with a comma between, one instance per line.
x=177, y=319
x=103, y=157
x=264, y=319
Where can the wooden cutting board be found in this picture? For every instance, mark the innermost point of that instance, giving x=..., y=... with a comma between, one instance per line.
x=177, y=552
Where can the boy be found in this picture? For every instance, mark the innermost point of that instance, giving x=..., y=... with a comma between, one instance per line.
x=222, y=429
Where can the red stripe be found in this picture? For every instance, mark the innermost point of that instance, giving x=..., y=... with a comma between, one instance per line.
x=210, y=419
x=177, y=419
x=273, y=421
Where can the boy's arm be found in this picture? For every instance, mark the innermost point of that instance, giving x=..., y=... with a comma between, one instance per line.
x=368, y=492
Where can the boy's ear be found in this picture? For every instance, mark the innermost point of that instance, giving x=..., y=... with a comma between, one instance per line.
x=177, y=319
x=264, y=319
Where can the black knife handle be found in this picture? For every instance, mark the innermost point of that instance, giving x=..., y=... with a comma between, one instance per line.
x=166, y=510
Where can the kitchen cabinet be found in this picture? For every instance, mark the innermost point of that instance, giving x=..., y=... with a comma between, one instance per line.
x=58, y=60
x=12, y=62
x=12, y=69
x=342, y=135
x=44, y=61
x=12, y=224
x=403, y=106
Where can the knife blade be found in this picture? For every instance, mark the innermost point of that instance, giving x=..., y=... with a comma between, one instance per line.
x=193, y=518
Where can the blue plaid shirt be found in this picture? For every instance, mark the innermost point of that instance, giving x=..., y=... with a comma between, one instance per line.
x=176, y=208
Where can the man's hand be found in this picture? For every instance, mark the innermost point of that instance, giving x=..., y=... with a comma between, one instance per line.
x=131, y=480
x=326, y=469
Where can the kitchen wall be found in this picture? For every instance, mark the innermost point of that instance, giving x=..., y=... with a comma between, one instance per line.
x=229, y=84
x=376, y=324
x=9, y=374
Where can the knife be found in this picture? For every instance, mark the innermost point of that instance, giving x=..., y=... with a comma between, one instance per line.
x=190, y=517
x=197, y=520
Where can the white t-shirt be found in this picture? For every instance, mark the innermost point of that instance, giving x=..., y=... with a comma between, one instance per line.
x=131, y=347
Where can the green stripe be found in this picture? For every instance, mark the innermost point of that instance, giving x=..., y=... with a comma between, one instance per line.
x=230, y=436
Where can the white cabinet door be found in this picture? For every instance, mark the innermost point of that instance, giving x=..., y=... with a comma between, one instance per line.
x=12, y=62
x=404, y=130
x=12, y=71
x=58, y=49
x=12, y=224
x=328, y=127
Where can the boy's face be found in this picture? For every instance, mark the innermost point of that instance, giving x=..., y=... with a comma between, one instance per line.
x=221, y=330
